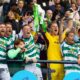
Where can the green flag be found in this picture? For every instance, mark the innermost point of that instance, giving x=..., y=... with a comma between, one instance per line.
x=36, y=17
x=44, y=26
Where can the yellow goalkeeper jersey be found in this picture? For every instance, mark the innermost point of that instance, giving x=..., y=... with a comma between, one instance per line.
x=54, y=50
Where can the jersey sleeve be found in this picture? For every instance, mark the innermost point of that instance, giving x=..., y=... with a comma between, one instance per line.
x=48, y=36
x=13, y=53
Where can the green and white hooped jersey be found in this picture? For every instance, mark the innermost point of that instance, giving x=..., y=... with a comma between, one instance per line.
x=3, y=47
x=11, y=40
x=70, y=53
x=78, y=44
x=30, y=46
x=39, y=47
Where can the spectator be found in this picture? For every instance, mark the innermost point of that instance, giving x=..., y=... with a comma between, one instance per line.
x=58, y=13
x=74, y=10
x=6, y=8
x=11, y=18
x=21, y=10
x=13, y=8
x=51, y=6
x=65, y=4
x=49, y=15
x=25, y=19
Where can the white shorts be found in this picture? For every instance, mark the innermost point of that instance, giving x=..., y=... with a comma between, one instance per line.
x=4, y=74
x=35, y=70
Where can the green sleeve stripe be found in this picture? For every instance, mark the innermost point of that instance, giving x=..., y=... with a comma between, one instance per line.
x=70, y=55
x=29, y=51
x=33, y=55
x=71, y=67
x=38, y=65
x=3, y=56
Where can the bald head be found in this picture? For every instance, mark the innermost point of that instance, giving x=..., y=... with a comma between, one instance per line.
x=49, y=13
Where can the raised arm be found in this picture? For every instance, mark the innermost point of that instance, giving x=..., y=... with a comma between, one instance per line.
x=63, y=32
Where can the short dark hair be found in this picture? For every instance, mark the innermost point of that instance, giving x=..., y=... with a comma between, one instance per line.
x=17, y=42
x=24, y=25
x=67, y=33
x=8, y=23
x=54, y=22
x=1, y=23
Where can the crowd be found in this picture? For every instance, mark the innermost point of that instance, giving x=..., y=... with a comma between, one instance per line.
x=31, y=30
